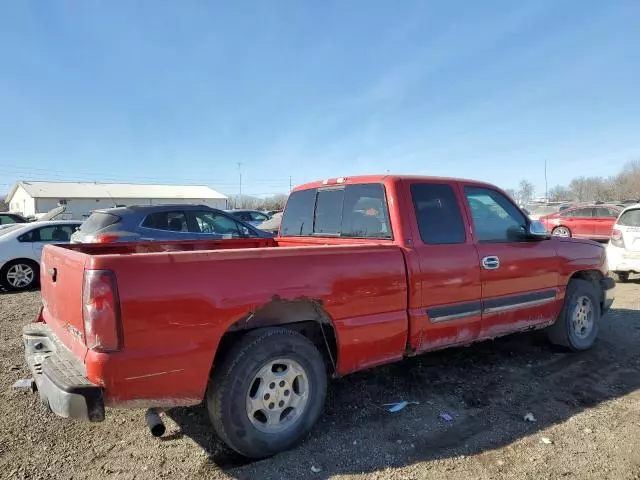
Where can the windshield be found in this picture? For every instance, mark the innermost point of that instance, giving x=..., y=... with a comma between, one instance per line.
x=97, y=221
x=11, y=228
x=630, y=218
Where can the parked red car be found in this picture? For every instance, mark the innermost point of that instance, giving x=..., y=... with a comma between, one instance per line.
x=583, y=221
x=365, y=271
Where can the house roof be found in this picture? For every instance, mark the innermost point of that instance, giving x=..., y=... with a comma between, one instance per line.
x=114, y=190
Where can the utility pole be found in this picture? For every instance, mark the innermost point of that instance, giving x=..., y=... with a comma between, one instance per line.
x=240, y=193
x=546, y=185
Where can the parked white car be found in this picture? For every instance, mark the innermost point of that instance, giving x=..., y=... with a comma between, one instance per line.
x=623, y=251
x=21, y=248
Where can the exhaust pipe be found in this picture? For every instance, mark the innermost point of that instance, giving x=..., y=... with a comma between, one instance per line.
x=154, y=422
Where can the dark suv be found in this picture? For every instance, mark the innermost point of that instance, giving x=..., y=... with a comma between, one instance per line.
x=162, y=222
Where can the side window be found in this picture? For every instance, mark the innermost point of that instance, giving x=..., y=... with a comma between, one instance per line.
x=606, y=212
x=364, y=212
x=215, y=223
x=495, y=218
x=53, y=234
x=579, y=213
x=438, y=213
x=258, y=217
x=297, y=219
x=172, y=221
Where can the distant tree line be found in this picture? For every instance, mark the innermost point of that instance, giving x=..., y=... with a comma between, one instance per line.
x=274, y=202
x=623, y=186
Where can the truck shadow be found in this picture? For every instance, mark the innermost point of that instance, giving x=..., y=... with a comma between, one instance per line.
x=486, y=389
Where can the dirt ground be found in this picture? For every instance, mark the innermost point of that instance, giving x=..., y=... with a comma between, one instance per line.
x=586, y=405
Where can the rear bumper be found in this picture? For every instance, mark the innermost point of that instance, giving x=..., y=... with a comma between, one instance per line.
x=619, y=260
x=608, y=292
x=59, y=377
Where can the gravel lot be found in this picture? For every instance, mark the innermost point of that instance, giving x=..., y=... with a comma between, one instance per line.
x=587, y=405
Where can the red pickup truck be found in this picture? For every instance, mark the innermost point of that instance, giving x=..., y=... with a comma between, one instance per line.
x=365, y=271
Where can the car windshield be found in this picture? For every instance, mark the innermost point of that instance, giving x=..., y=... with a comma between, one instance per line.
x=630, y=218
x=11, y=228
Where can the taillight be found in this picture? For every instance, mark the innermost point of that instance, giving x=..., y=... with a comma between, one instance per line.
x=101, y=311
x=617, y=240
x=107, y=238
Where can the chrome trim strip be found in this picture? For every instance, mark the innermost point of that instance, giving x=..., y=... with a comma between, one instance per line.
x=515, y=306
x=456, y=316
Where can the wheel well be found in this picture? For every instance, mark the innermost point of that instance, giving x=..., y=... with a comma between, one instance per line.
x=592, y=276
x=304, y=316
x=30, y=261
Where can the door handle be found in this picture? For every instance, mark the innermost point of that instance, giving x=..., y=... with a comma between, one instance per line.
x=491, y=262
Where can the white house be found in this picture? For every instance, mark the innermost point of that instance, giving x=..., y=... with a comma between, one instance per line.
x=81, y=198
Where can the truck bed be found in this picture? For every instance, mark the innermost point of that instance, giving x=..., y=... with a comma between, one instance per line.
x=177, y=299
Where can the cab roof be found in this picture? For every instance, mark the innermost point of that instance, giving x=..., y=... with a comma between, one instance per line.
x=359, y=179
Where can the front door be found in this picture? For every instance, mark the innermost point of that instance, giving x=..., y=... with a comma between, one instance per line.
x=448, y=280
x=50, y=234
x=519, y=276
x=580, y=222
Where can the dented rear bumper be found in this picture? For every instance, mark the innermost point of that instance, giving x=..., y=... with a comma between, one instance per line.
x=60, y=377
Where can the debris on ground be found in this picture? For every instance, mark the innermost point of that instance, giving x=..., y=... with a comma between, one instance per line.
x=587, y=431
x=546, y=441
x=23, y=383
x=396, y=407
x=529, y=417
x=446, y=417
x=315, y=469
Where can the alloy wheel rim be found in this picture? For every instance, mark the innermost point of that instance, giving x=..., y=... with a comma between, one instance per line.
x=278, y=395
x=582, y=318
x=20, y=275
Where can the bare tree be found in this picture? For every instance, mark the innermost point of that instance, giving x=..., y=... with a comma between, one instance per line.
x=560, y=193
x=525, y=191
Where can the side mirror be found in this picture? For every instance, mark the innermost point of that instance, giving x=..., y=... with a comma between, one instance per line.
x=538, y=230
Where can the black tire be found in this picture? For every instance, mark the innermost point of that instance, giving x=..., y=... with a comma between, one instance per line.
x=6, y=284
x=562, y=331
x=621, y=277
x=229, y=386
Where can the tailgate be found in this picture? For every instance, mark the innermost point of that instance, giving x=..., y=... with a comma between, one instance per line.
x=61, y=282
x=631, y=236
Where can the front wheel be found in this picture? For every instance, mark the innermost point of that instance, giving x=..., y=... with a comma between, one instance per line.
x=19, y=275
x=268, y=393
x=561, y=232
x=577, y=325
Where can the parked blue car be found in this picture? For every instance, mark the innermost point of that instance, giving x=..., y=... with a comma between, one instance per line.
x=162, y=222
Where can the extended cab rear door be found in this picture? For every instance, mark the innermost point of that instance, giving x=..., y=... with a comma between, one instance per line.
x=448, y=278
x=519, y=276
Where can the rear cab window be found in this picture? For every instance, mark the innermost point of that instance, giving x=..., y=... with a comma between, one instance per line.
x=349, y=211
x=98, y=221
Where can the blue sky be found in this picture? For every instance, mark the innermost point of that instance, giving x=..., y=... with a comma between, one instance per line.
x=160, y=91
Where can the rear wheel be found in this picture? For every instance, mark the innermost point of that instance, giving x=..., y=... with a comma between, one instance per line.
x=268, y=392
x=19, y=275
x=622, y=277
x=577, y=325
x=561, y=232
